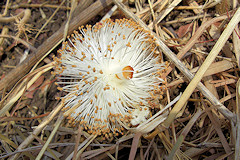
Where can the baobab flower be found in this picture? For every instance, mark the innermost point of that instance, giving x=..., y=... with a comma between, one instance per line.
x=108, y=71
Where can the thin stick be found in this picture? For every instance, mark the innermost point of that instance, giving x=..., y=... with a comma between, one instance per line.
x=19, y=40
x=11, y=19
x=186, y=19
x=165, y=12
x=81, y=150
x=184, y=134
x=49, y=19
x=135, y=142
x=5, y=10
x=27, y=5
x=77, y=142
x=3, y=32
x=57, y=124
x=217, y=127
x=237, y=141
x=73, y=3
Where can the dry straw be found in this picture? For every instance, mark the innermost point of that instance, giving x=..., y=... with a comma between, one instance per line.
x=171, y=138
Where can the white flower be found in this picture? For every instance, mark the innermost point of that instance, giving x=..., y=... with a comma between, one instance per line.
x=108, y=71
x=139, y=115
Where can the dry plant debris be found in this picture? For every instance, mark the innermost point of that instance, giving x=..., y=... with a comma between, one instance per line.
x=194, y=117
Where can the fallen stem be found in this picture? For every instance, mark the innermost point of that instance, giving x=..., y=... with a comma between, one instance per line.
x=11, y=19
x=57, y=124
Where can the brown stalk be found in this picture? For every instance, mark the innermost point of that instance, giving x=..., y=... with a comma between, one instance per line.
x=217, y=127
x=134, y=147
x=184, y=133
x=237, y=141
x=11, y=19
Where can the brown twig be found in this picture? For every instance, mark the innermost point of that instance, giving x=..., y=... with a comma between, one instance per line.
x=5, y=10
x=49, y=19
x=11, y=19
x=26, y=5
x=28, y=45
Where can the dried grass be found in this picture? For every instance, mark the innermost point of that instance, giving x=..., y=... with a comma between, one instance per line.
x=202, y=49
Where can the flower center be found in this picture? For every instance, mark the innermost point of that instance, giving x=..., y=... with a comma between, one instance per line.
x=127, y=73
